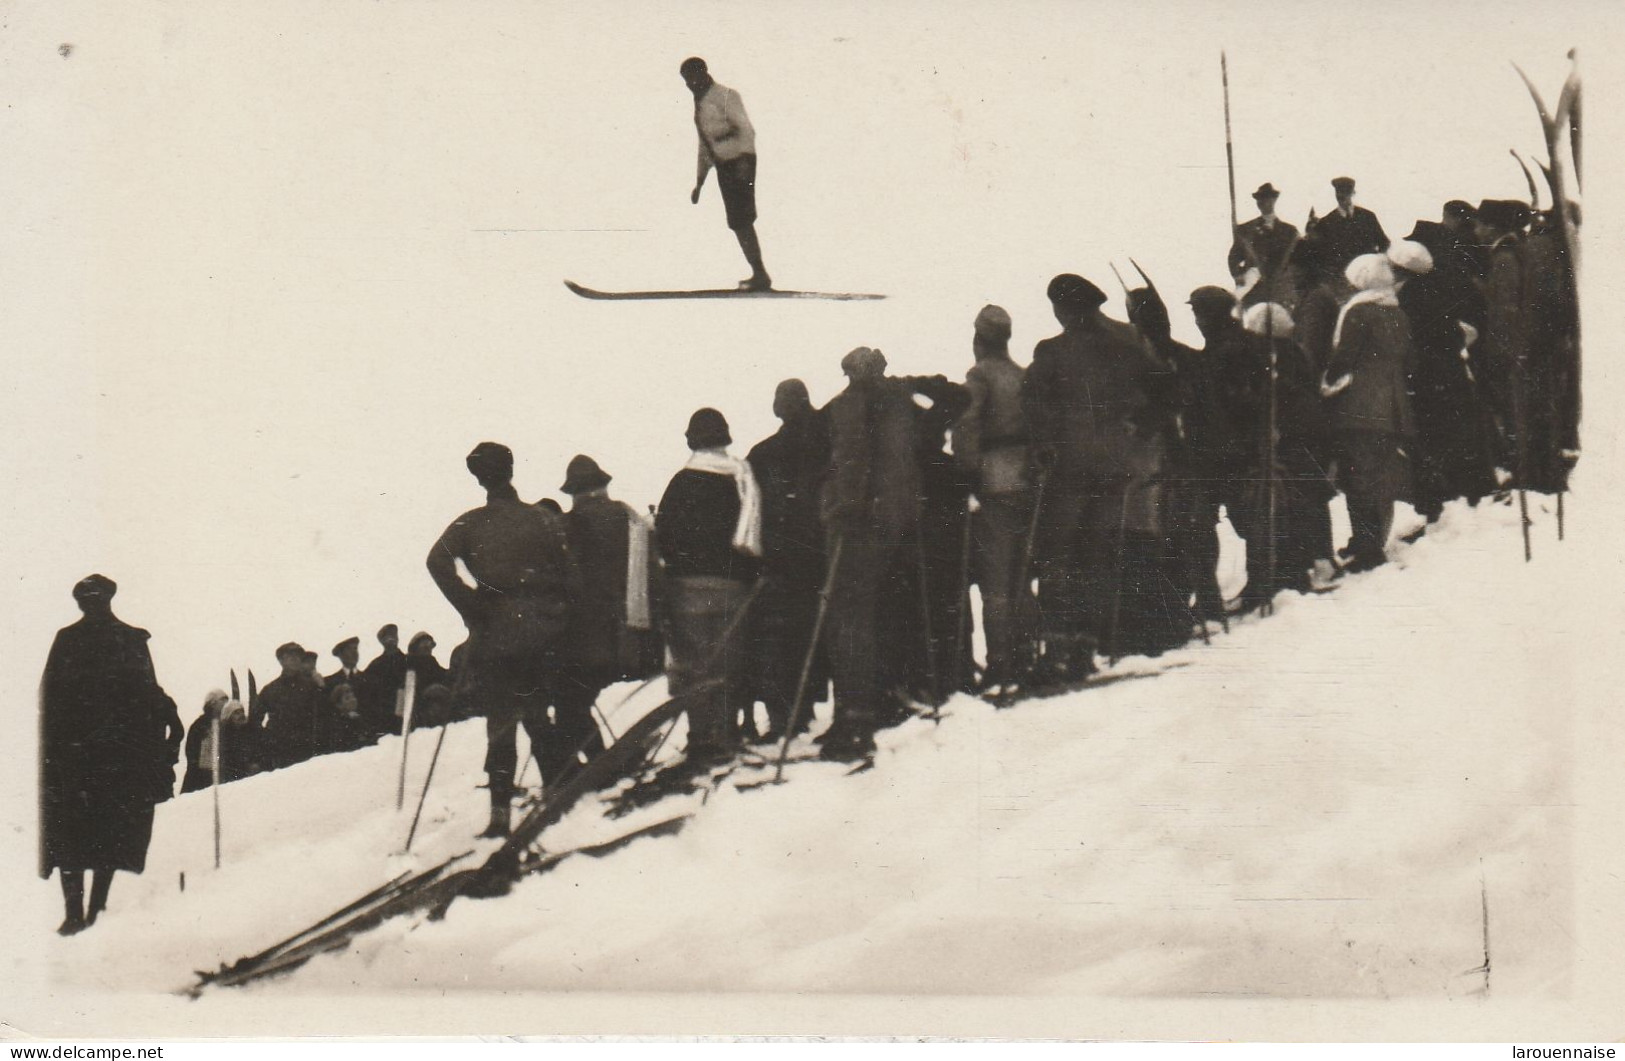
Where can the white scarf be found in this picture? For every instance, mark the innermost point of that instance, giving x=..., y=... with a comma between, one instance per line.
x=748, y=532
x=637, y=573
x=1382, y=296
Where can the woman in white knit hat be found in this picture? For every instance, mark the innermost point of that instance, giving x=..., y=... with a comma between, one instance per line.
x=1366, y=384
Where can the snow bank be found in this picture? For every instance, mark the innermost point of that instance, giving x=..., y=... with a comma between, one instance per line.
x=1321, y=803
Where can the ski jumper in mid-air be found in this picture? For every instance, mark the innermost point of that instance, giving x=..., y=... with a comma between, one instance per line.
x=728, y=145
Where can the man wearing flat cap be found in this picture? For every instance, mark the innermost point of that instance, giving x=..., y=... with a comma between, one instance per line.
x=1260, y=253
x=345, y=693
x=870, y=508
x=109, y=739
x=291, y=709
x=517, y=613
x=1347, y=232
x=789, y=466
x=1082, y=395
x=612, y=637
x=990, y=441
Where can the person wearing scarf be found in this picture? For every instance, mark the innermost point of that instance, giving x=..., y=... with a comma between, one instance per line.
x=1366, y=387
x=709, y=532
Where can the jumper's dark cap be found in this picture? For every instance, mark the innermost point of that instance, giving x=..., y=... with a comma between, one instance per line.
x=98, y=587
x=583, y=474
x=1070, y=289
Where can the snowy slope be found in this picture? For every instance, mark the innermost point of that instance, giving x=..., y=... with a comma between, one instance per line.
x=1321, y=803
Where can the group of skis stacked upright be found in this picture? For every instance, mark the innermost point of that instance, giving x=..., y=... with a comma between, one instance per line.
x=1081, y=497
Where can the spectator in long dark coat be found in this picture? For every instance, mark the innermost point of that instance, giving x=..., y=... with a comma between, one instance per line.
x=517, y=613
x=937, y=663
x=289, y=710
x=1451, y=459
x=1347, y=232
x=612, y=628
x=1261, y=253
x=1367, y=384
x=1208, y=455
x=789, y=466
x=109, y=738
x=1081, y=395
x=870, y=507
x=381, y=682
x=434, y=704
x=1298, y=483
x=709, y=526
x=990, y=442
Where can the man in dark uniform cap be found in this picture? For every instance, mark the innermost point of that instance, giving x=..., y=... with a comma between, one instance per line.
x=1264, y=244
x=1347, y=232
x=517, y=614
x=345, y=695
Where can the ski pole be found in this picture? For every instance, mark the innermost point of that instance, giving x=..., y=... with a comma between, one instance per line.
x=1025, y=601
x=807, y=661
x=427, y=778
x=214, y=769
x=1269, y=469
x=932, y=675
x=965, y=665
x=1117, y=588
x=408, y=697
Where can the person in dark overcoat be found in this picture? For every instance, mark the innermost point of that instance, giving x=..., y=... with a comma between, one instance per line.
x=1081, y=394
x=1367, y=387
x=381, y=683
x=1439, y=300
x=870, y=508
x=1208, y=456
x=937, y=661
x=1261, y=253
x=612, y=631
x=1347, y=232
x=789, y=466
x=709, y=528
x=109, y=739
x=1298, y=483
x=517, y=613
x=290, y=709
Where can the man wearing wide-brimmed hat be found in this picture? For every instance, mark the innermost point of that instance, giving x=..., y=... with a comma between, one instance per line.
x=1260, y=253
x=612, y=637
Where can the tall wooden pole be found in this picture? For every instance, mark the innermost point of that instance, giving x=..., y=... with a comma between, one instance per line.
x=1229, y=148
